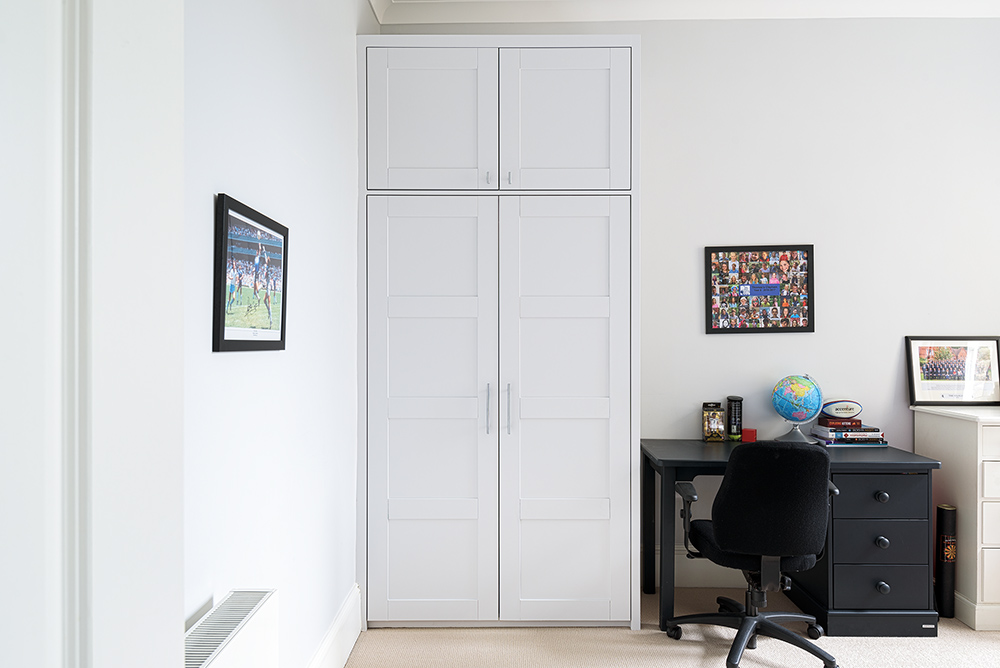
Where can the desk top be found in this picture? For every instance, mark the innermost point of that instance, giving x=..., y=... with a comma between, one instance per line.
x=691, y=453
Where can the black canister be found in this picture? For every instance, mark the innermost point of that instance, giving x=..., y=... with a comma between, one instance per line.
x=734, y=418
x=944, y=580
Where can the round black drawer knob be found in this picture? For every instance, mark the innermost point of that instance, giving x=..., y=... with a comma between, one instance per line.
x=882, y=497
x=882, y=542
x=883, y=587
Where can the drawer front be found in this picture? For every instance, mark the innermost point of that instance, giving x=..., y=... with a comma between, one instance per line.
x=881, y=496
x=857, y=587
x=991, y=522
x=991, y=479
x=991, y=575
x=991, y=442
x=881, y=541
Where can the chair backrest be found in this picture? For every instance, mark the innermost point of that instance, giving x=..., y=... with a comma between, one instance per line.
x=774, y=500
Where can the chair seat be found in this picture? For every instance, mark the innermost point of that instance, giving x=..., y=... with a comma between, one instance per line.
x=703, y=539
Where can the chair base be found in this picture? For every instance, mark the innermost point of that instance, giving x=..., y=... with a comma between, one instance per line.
x=749, y=625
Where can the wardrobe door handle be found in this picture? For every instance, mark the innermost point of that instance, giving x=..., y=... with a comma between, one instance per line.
x=508, y=408
x=487, y=402
x=487, y=178
x=508, y=178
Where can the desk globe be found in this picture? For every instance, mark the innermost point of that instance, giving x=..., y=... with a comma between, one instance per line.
x=798, y=400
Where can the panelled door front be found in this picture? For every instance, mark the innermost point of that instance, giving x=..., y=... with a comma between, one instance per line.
x=499, y=394
x=432, y=118
x=433, y=403
x=565, y=380
x=565, y=118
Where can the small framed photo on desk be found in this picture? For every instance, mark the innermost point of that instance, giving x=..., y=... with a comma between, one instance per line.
x=953, y=370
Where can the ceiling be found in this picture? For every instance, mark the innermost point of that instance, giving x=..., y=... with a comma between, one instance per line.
x=543, y=11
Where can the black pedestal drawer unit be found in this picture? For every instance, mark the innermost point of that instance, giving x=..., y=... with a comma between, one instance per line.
x=875, y=576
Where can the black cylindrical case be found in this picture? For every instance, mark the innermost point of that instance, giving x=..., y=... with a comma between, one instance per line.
x=944, y=565
x=734, y=418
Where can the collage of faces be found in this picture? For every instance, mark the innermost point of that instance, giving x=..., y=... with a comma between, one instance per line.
x=759, y=289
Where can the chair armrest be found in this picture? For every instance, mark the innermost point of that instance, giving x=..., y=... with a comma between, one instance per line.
x=687, y=491
x=832, y=491
x=688, y=495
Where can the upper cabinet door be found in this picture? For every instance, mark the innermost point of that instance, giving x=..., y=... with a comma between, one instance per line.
x=565, y=118
x=432, y=118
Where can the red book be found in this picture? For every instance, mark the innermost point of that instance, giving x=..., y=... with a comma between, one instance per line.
x=838, y=422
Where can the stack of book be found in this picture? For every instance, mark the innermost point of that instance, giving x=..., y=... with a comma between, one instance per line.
x=847, y=432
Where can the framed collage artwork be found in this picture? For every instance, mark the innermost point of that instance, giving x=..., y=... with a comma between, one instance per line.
x=759, y=289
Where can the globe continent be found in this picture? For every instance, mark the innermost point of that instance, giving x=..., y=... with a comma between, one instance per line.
x=797, y=398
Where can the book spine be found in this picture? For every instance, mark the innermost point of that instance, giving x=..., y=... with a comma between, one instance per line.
x=838, y=422
x=851, y=439
x=853, y=443
x=873, y=432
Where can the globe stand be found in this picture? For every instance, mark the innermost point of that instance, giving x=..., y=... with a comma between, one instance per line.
x=795, y=435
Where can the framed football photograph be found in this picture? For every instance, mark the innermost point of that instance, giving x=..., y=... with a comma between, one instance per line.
x=759, y=289
x=251, y=279
x=953, y=370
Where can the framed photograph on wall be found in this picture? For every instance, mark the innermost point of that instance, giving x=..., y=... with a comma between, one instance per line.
x=953, y=370
x=251, y=278
x=759, y=289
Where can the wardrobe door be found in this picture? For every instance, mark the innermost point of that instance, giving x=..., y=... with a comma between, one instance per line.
x=565, y=118
x=432, y=118
x=432, y=408
x=564, y=441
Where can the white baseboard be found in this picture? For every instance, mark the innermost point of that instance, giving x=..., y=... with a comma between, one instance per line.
x=978, y=617
x=339, y=640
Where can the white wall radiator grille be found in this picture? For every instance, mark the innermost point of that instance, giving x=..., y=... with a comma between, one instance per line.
x=242, y=630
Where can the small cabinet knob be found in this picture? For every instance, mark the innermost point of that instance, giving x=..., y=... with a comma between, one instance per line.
x=883, y=587
x=882, y=496
x=882, y=542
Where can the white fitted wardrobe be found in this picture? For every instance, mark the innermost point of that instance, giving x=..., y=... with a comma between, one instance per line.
x=500, y=266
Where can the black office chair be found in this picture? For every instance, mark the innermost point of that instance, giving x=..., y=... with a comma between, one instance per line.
x=769, y=518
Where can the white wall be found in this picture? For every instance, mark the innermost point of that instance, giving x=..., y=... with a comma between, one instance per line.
x=144, y=284
x=125, y=378
x=131, y=329
x=30, y=340
x=874, y=140
x=271, y=437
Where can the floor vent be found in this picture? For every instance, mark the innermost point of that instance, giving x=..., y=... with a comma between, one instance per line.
x=207, y=639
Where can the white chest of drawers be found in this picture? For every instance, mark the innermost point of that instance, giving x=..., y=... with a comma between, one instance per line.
x=967, y=442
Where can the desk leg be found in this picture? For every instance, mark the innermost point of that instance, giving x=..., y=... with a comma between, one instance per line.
x=668, y=518
x=648, y=528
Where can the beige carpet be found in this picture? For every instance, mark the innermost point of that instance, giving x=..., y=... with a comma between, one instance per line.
x=701, y=646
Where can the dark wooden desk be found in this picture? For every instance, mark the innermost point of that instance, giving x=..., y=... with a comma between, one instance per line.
x=685, y=459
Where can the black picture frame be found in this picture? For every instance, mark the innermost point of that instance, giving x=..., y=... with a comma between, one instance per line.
x=760, y=289
x=938, y=370
x=250, y=279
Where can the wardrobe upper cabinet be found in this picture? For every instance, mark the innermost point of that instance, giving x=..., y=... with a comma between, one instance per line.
x=565, y=118
x=499, y=119
x=432, y=118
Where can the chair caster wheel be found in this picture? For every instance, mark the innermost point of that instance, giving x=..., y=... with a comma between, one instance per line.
x=815, y=631
x=674, y=632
